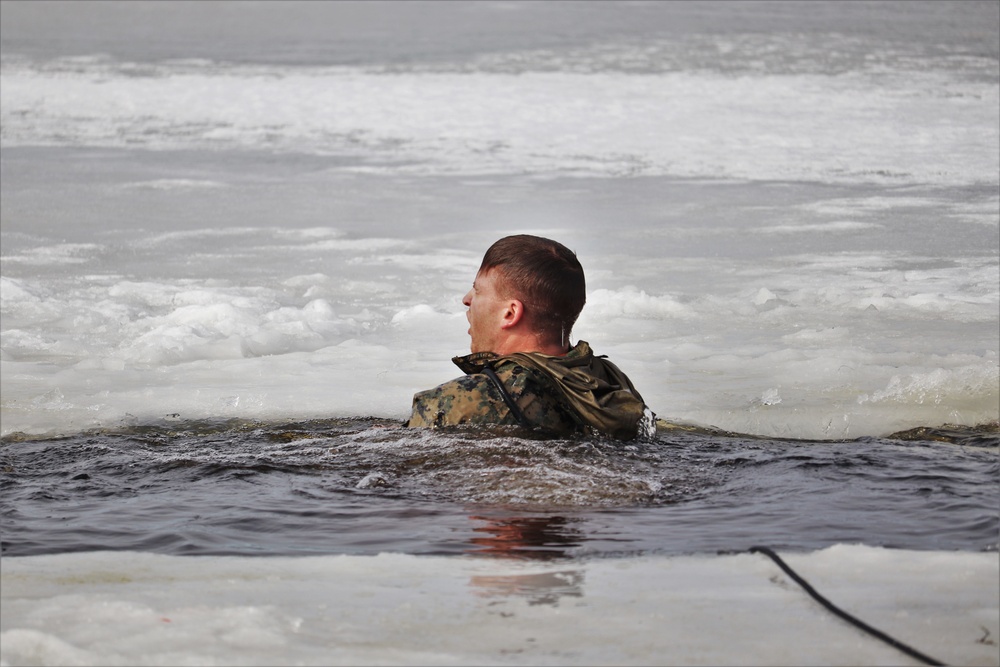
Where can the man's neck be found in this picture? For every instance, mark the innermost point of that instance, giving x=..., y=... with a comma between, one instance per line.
x=532, y=344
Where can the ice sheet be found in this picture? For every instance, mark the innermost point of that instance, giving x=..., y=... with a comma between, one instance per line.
x=145, y=609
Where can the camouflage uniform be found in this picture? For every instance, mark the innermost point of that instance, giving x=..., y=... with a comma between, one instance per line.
x=574, y=394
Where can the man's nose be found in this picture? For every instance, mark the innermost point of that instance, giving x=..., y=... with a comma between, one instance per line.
x=467, y=299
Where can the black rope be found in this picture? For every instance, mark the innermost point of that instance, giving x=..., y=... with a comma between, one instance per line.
x=913, y=653
x=507, y=398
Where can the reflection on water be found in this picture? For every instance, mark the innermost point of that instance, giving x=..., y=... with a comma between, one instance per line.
x=527, y=538
x=543, y=588
x=535, y=538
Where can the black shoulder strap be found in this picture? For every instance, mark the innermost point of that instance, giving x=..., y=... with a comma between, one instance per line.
x=507, y=398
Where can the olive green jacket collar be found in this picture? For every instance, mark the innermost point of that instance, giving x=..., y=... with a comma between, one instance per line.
x=599, y=393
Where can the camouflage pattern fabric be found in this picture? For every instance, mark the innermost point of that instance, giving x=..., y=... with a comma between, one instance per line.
x=561, y=396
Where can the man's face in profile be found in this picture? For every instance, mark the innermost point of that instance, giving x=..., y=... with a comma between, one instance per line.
x=485, y=311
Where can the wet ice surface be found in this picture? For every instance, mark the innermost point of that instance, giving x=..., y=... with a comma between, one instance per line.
x=137, y=608
x=796, y=310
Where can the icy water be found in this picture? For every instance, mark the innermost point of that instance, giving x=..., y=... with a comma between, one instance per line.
x=233, y=242
x=363, y=487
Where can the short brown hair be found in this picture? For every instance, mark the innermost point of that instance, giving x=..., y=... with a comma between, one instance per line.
x=545, y=275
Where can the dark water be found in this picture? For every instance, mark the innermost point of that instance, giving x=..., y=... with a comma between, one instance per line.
x=366, y=486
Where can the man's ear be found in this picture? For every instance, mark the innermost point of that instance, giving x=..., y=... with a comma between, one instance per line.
x=512, y=314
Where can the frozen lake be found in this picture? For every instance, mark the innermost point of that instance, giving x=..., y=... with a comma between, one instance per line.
x=234, y=238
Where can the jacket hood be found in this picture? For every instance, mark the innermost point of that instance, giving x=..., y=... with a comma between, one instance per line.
x=599, y=393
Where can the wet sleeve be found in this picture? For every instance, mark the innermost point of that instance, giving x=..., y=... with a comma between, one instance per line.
x=470, y=399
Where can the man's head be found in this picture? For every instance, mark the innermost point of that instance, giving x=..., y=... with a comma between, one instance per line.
x=526, y=297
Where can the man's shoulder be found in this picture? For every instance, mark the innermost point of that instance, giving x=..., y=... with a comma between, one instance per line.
x=472, y=388
x=476, y=399
x=466, y=399
x=560, y=394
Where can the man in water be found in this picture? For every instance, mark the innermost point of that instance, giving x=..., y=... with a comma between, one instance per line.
x=522, y=371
